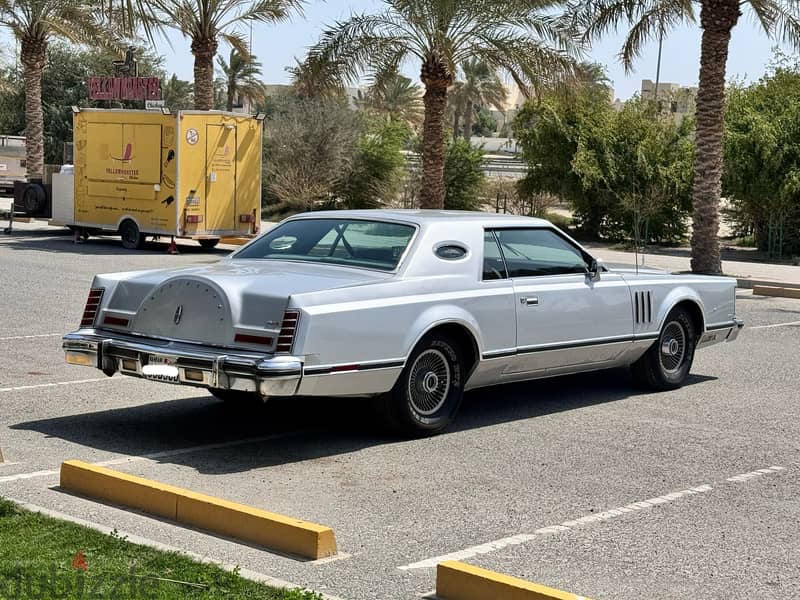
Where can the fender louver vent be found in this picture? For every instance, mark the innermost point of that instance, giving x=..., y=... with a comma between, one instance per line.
x=643, y=307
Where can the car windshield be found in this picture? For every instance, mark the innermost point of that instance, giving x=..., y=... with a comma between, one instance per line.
x=348, y=242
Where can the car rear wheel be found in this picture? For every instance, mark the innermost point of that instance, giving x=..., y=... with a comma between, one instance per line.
x=209, y=243
x=428, y=394
x=132, y=237
x=666, y=365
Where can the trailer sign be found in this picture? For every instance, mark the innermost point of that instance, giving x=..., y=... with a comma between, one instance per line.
x=124, y=88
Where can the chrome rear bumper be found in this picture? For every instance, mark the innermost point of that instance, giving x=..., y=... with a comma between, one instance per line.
x=197, y=365
x=721, y=333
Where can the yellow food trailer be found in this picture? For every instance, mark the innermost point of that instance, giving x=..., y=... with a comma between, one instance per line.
x=137, y=173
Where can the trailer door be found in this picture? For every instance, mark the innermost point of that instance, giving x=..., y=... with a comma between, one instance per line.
x=220, y=178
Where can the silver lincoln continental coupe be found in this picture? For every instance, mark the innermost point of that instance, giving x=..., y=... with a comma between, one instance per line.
x=411, y=307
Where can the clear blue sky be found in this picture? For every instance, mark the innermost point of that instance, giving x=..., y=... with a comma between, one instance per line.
x=277, y=45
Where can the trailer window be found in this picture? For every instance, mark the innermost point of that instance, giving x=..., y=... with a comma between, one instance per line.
x=348, y=242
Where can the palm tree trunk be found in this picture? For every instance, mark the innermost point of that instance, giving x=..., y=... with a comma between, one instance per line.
x=717, y=19
x=231, y=94
x=33, y=54
x=456, y=123
x=204, y=51
x=436, y=80
x=468, y=110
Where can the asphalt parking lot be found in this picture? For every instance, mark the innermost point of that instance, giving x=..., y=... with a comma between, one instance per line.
x=580, y=483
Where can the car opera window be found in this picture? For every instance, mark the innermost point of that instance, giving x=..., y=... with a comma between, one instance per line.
x=347, y=242
x=537, y=252
x=493, y=265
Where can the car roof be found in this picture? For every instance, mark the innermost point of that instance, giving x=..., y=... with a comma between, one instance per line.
x=422, y=217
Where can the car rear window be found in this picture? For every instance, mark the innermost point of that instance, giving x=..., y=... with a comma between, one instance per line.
x=348, y=242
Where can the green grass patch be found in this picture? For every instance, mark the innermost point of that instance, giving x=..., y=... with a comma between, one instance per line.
x=44, y=558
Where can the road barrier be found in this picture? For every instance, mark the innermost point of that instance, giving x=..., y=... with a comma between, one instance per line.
x=459, y=581
x=237, y=521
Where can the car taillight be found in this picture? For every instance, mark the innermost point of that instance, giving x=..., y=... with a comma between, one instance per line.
x=288, y=330
x=92, y=305
x=194, y=218
x=252, y=339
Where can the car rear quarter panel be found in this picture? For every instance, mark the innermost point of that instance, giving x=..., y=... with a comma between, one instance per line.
x=381, y=323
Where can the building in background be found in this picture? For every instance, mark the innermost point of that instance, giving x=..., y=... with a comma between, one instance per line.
x=673, y=98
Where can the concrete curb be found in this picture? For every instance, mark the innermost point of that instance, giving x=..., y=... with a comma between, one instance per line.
x=747, y=283
x=237, y=521
x=459, y=581
x=779, y=292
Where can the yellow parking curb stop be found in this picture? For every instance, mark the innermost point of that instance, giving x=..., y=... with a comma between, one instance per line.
x=777, y=291
x=237, y=521
x=456, y=580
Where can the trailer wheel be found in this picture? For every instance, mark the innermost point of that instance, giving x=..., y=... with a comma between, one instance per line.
x=132, y=238
x=209, y=243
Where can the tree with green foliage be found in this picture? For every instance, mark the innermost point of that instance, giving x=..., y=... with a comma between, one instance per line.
x=480, y=88
x=35, y=24
x=205, y=22
x=551, y=130
x=520, y=37
x=319, y=153
x=463, y=176
x=375, y=172
x=625, y=174
x=644, y=163
x=177, y=94
x=650, y=20
x=64, y=76
x=394, y=97
x=241, y=79
x=762, y=157
x=485, y=124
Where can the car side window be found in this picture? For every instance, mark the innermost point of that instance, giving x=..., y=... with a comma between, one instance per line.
x=538, y=252
x=493, y=265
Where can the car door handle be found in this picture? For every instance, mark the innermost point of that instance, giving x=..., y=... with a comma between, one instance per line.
x=529, y=301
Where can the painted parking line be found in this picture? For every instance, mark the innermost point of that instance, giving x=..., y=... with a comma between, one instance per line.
x=789, y=324
x=430, y=563
x=37, y=386
x=29, y=337
x=154, y=456
x=751, y=474
x=523, y=538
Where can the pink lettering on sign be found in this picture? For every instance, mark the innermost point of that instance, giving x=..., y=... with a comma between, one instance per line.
x=124, y=88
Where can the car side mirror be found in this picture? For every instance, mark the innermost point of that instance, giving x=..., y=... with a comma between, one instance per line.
x=595, y=269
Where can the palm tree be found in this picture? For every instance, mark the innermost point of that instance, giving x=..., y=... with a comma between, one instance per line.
x=521, y=37
x=205, y=22
x=34, y=23
x=649, y=20
x=177, y=94
x=395, y=97
x=240, y=79
x=481, y=87
x=314, y=79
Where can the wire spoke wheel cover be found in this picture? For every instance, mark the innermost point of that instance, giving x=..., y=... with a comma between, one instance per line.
x=429, y=382
x=672, y=347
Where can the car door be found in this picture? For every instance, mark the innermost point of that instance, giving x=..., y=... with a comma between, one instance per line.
x=565, y=320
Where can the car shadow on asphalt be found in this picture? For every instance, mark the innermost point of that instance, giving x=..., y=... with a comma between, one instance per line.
x=290, y=430
x=61, y=242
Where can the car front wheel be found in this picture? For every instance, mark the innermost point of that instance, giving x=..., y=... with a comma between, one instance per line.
x=666, y=364
x=428, y=393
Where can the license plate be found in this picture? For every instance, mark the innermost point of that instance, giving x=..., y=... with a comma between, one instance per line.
x=165, y=373
x=161, y=368
x=162, y=359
